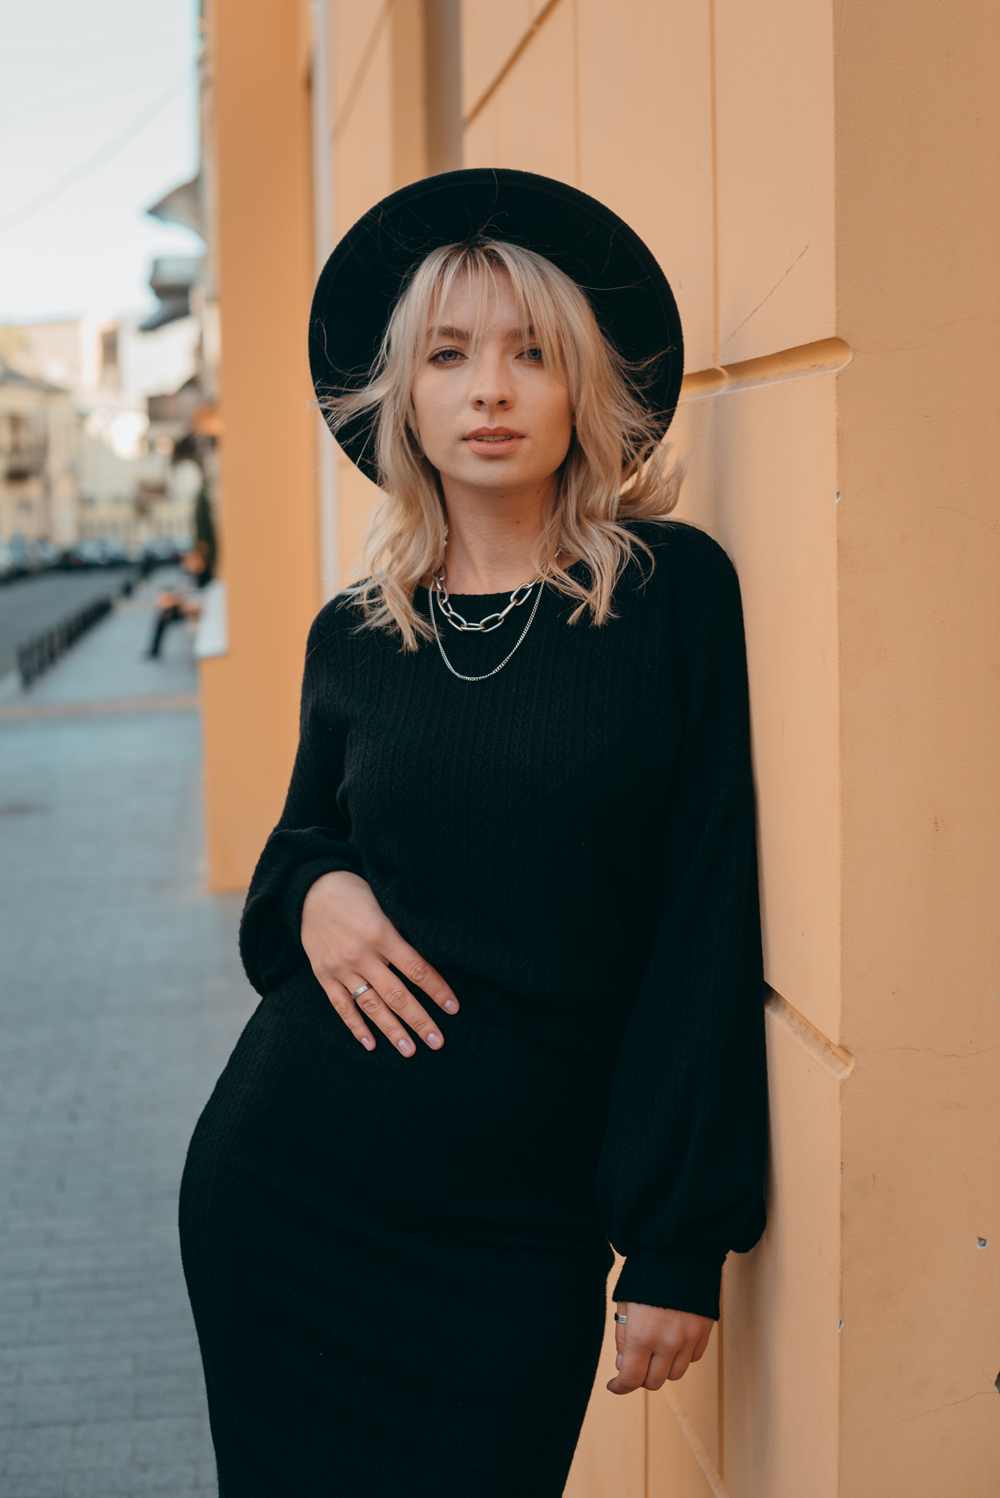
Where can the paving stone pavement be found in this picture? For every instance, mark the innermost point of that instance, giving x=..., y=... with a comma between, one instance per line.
x=120, y=998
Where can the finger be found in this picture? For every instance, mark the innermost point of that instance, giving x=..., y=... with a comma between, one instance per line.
x=701, y=1347
x=659, y=1370
x=410, y=963
x=632, y=1366
x=347, y=1009
x=681, y=1362
x=620, y=1328
x=378, y=1013
x=401, y=1001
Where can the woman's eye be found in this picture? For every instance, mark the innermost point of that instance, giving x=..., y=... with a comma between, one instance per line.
x=445, y=356
x=533, y=355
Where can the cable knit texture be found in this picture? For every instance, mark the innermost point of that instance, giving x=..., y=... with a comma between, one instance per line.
x=571, y=844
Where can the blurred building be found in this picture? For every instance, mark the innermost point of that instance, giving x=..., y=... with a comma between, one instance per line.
x=187, y=415
x=38, y=447
x=108, y=469
x=820, y=182
x=129, y=485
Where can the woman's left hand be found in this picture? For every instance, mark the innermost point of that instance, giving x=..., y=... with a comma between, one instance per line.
x=654, y=1345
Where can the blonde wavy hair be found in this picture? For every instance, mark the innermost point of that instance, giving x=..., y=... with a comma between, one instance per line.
x=616, y=469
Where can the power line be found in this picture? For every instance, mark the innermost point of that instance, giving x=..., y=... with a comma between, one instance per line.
x=77, y=173
x=98, y=46
x=24, y=110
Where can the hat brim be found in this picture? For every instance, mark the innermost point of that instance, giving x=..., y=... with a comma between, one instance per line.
x=619, y=274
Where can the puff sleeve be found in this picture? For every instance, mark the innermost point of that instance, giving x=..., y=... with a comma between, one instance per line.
x=682, y=1170
x=312, y=837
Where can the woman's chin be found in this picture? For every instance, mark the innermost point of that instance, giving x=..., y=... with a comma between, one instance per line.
x=492, y=473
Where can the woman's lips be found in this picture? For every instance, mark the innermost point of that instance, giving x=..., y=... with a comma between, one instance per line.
x=490, y=440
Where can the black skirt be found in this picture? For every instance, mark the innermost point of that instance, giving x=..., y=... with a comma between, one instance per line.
x=396, y=1266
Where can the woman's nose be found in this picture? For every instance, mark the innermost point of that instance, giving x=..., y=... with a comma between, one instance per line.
x=491, y=388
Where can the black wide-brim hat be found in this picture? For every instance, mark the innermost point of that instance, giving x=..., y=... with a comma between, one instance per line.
x=364, y=276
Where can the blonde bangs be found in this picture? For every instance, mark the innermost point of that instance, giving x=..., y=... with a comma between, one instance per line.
x=616, y=469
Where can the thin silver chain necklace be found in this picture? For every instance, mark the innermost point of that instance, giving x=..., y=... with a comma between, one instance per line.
x=483, y=626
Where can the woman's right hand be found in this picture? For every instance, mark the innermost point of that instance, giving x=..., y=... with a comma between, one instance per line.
x=350, y=941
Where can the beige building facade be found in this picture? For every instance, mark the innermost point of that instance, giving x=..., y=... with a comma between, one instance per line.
x=99, y=466
x=38, y=451
x=819, y=180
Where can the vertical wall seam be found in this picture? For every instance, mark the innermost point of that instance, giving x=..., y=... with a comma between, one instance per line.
x=837, y=28
x=577, y=164
x=442, y=40
x=321, y=104
x=645, y=1444
x=715, y=182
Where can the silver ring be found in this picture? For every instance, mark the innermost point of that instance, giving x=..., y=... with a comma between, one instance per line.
x=621, y=1319
x=359, y=991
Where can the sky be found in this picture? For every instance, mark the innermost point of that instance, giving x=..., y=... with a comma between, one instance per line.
x=98, y=119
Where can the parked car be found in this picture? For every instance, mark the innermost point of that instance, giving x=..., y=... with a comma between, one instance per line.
x=7, y=568
x=87, y=553
x=22, y=556
x=115, y=552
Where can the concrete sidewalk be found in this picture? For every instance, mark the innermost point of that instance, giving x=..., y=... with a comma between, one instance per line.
x=29, y=605
x=120, y=998
x=110, y=663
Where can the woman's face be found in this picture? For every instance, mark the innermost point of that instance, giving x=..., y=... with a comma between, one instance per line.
x=495, y=417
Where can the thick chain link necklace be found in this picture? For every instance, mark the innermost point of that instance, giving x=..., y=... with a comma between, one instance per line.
x=483, y=626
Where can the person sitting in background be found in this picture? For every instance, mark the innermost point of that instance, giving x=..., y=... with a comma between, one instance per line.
x=181, y=603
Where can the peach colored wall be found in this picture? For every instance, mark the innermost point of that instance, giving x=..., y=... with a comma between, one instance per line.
x=803, y=169
x=367, y=126
x=269, y=531
x=918, y=169
x=774, y=112
x=659, y=110
x=763, y=482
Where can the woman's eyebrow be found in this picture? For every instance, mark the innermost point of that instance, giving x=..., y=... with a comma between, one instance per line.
x=459, y=335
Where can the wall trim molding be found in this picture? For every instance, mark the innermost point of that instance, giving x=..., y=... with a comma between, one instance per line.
x=825, y=356
x=500, y=75
x=353, y=90
x=838, y=1061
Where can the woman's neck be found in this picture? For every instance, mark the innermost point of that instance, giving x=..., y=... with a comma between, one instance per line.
x=489, y=544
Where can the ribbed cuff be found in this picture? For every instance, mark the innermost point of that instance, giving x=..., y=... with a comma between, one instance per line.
x=676, y=1282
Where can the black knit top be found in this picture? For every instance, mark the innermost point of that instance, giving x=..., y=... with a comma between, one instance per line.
x=571, y=844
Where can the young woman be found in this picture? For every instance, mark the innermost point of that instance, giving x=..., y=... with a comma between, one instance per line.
x=506, y=931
